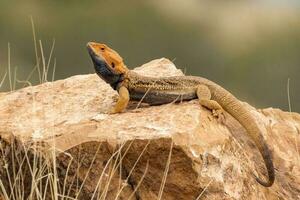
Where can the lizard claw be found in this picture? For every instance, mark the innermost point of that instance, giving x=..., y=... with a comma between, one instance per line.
x=115, y=98
x=219, y=114
x=113, y=111
x=136, y=111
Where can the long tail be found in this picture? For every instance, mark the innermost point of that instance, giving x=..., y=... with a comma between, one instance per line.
x=233, y=106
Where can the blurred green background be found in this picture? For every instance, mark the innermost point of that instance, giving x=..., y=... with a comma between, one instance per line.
x=249, y=47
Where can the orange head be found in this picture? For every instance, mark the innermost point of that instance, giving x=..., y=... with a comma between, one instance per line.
x=111, y=57
x=108, y=64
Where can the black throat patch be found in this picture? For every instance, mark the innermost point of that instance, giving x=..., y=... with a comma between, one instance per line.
x=103, y=71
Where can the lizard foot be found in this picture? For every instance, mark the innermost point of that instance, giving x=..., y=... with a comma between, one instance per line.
x=219, y=114
x=113, y=111
x=136, y=111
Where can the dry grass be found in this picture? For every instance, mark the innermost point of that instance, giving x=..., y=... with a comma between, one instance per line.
x=29, y=165
x=297, y=130
x=42, y=166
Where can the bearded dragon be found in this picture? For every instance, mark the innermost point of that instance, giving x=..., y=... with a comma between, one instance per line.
x=110, y=67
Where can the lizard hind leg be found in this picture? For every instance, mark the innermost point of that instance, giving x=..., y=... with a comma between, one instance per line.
x=204, y=96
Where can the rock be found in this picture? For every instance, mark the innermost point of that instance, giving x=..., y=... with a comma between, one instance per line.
x=57, y=140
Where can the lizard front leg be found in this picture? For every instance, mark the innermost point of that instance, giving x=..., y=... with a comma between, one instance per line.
x=122, y=101
x=204, y=96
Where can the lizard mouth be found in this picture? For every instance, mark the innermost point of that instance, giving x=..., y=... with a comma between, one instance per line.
x=96, y=58
x=92, y=51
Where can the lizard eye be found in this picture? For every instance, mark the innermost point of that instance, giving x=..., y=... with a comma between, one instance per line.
x=102, y=48
x=113, y=65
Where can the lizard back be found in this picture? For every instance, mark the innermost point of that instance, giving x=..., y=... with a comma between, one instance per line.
x=156, y=91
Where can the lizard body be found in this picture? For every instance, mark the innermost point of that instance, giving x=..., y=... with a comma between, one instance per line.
x=110, y=67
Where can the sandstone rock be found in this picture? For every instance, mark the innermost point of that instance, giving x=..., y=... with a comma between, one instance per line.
x=58, y=136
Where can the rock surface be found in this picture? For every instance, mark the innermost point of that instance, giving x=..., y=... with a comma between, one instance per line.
x=173, y=151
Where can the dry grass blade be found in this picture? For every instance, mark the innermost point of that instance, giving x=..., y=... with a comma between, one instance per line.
x=297, y=148
x=24, y=82
x=6, y=165
x=66, y=197
x=112, y=172
x=99, y=182
x=44, y=74
x=54, y=177
x=50, y=56
x=288, y=95
x=67, y=172
x=89, y=169
x=13, y=164
x=34, y=170
x=131, y=171
x=98, y=185
x=28, y=77
x=75, y=174
x=54, y=68
x=3, y=79
x=290, y=110
x=204, y=190
x=15, y=78
x=146, y=93
x=138, y=185
x=165, y=172
x=3, y=191
x=140, y=102
x=36, y=49
x=9, y=67
x=117, y=164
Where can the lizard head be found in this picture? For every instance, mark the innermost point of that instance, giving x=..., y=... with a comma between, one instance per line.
x=108, y=63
